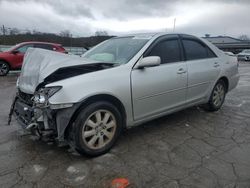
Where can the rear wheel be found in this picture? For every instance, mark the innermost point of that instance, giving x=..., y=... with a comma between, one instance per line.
x=4, y=68
x=96, y=128
x=217, y=97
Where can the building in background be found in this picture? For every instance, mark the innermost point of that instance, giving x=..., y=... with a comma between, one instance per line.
x=230, y=44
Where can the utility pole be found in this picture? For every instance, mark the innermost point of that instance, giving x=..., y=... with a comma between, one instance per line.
x=3, y=29
x=174, y=24
x=70, y=35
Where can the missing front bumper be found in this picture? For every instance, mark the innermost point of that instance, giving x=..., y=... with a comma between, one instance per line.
x=54, y=120
x=24, y=113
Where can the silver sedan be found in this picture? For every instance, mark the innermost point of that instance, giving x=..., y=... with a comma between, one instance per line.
x=123, y=82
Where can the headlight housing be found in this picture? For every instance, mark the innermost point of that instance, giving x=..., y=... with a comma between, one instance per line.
x=42, y=95
x=50, y=91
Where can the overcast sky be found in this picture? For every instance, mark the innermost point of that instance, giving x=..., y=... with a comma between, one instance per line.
x=84, y=17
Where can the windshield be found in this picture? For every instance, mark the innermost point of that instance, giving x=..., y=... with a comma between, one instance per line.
x=116, y=50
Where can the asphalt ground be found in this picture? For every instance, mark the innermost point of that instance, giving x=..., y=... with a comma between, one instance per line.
x=188, y=149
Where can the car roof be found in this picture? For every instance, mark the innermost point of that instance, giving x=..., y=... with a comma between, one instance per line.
x=151, y=35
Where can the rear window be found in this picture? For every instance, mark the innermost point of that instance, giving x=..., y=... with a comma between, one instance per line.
x=45, y=46
x=196, y=50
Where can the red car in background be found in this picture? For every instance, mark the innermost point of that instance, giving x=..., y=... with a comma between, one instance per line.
x=12, y=58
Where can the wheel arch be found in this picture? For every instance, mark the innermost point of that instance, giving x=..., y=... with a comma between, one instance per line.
x=95, y=98
x=226, y=81
x=4, y=60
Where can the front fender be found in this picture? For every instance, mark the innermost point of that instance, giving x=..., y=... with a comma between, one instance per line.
x=114, y=82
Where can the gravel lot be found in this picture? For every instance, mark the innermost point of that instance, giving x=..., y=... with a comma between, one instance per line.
x=191, y=148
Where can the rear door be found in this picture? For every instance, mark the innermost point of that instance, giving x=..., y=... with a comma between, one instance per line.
x=158, y=89
x=203, y=68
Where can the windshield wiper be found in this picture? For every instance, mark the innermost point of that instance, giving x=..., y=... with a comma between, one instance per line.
x=106, y=64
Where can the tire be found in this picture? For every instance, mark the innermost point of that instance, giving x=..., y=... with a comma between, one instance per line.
x=96, y=129
x=217, y=97
x=4, y=68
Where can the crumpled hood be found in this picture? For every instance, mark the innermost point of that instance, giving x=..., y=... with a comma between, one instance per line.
x=39, y=64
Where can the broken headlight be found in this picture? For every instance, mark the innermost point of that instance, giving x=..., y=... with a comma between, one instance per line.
x=50, y=91
x=43, y=94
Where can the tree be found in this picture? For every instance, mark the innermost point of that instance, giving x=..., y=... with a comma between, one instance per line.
x=244, y=37
x=101, y=33
x=65, y=33
x=14, y=31
x=35, y=32
x=27, y=31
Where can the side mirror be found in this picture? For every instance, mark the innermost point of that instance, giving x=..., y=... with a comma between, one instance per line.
x=149, y=61
x=15, y=51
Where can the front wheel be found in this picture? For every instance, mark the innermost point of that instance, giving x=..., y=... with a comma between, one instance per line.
x=96, y=128
x=4, y=68
x=217, y=97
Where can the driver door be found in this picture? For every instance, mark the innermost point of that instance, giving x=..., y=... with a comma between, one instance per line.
x=159, y=89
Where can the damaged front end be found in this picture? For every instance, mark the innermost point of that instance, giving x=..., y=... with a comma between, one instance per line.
x=35, y=114
x=31, y=106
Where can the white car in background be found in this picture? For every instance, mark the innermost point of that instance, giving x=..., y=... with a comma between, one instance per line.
x=232, y=57
x=244, y=55
x=230, y=54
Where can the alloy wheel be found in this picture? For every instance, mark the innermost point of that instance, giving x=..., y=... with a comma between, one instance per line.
x=3, y=68
x=99, y=129
x=218, y=95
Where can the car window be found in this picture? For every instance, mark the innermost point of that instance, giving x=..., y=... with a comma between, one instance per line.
x=44, y=46
x=117, y=50
x=167, y=50
x=210, y=53
x=24, y=48
x=196, y=50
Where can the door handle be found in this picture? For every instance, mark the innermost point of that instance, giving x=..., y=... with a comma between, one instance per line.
x=216, y=64
x=181, y=71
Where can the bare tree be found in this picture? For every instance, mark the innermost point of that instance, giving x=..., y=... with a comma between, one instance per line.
x=14, y=31
x=101, y=33
x=244, y=37
x=27, y=31
x=65, y=33
x=35, y=32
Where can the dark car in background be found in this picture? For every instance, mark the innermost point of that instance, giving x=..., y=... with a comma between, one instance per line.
x=12, y=58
